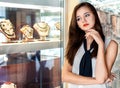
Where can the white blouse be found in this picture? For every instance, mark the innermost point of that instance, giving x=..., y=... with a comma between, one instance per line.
x=75, y=68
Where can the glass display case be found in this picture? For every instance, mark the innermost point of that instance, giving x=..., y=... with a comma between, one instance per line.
x=31, y=43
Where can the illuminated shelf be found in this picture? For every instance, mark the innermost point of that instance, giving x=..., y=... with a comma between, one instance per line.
x=8, y=48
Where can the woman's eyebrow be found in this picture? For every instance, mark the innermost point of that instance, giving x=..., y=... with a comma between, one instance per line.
x=77, y=16
x=84, y=14
x=87, y=12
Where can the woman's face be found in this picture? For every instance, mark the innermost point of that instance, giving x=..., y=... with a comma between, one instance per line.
x=85, y=18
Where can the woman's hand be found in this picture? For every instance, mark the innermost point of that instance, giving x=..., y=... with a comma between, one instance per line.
x=95, y=35
x=112, y=76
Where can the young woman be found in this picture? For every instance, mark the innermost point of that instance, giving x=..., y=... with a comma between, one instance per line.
x=88, y=62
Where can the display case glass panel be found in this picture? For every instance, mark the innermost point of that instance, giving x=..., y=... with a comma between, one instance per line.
x=31, y=43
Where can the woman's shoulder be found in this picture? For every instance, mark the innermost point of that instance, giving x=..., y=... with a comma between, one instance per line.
x=111, y=43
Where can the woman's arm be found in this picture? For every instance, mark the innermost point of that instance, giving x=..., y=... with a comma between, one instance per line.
x=111, y=54
x=68, y=76
x=101, y=72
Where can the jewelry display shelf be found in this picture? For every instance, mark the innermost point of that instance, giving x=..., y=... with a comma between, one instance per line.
x=9, y=48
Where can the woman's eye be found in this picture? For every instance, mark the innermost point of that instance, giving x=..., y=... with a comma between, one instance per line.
x=78, y=19
x=86, y=15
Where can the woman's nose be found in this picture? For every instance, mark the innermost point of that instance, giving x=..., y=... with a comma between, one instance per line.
x=83, y=20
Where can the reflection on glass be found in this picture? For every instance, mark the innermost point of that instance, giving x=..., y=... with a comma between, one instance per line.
x=31, y=70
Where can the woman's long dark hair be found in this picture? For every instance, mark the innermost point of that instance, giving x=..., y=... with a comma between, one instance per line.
x=76, y=35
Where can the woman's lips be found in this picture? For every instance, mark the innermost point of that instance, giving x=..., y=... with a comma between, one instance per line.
x=85, y=25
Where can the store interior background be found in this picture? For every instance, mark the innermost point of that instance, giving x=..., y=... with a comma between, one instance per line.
x=109, y=13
